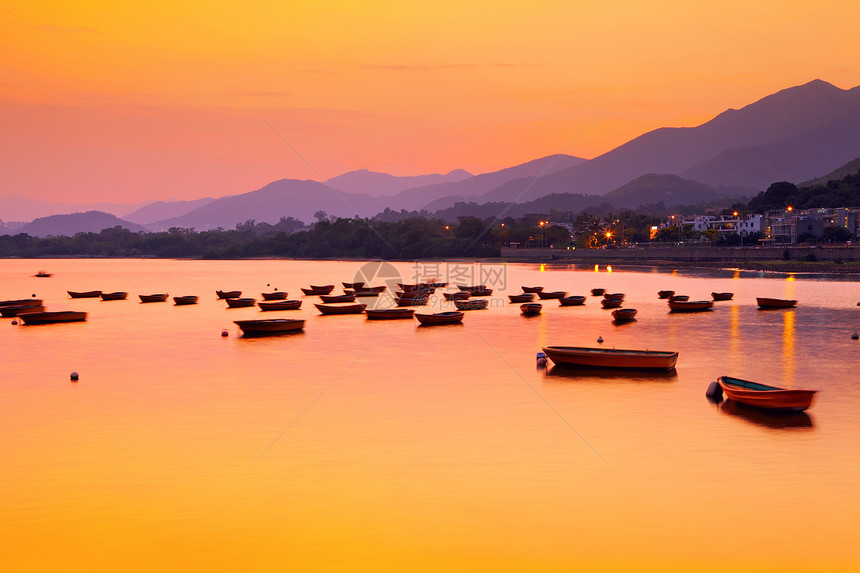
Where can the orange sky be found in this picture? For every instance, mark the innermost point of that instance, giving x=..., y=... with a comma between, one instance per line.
x=127, y=101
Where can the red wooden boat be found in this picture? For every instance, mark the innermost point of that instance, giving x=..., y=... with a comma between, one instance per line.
x=354, y=308
x=228, y=293
x=690, y=305
x=525, y=297
x=573, y=300
x=114, y=295
x=280, y=305
x=764, y=396
x=161, y=297
x=388, y=313
x=624, y=314
x=535, y=289
x=277, y=295
x=611, y=358
x=184, y=300
x=85, y=294
x=769, y=303
x=453, y=317
x=269, y=326
x=722, y=295
x=531, y=308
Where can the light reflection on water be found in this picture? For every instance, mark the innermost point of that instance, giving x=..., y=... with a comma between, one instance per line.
x=380, y=445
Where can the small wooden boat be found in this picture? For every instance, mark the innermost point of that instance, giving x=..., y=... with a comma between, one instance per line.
x=240, y=302
x=223, y=294
x=85, y=294
x=624, y=314
x=161, y=297
x=388, y=313
x=114, y=295
x=436, y=284
x=452, y=317
x=52, y=317
x=482, y=292
x=380, y=288
x=573, y=300
x=318, y=290
x=21, y=302
x=43, y=274
x=356, y=286
x=611, y=303
x=365, y=293
x=459, y=295
x=534, y=290
x=722, y=295
x=665, y=293
x=412, y=301
x=470, y=288
x=618, y=295
x=678, y=297
x=354, y=308
x=611, y=358
x=13, y=311
x=763, y=396
x=332, y=298
x=531, y=308
x=525, y=297
x=280, y=305
x=690, y=305
x=419, y=288
x=769, y=303
x=410, y=294
x=554, y=295
x=184, y=300
x=265, y=327
x=277, y=295
x=597, y=291
x=471, y=304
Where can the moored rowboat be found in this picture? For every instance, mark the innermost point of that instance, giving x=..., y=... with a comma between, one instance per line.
x=611, y=303
x=534, y=289
x=452, y=317
x=280, y=305
x=52, y=317
x=160, y=297
x=573, y=300
x=678, y=297
x=269, y=326
x=474, y=304
x=611, y=357
x=525, y=297
x=330, y=298
x=624, y=314
x=459, y=295
x=21, y=302
x=114, y=295
x=597, y=291
x=240, y=302
x=764, y=396
x=12, y=311
x=690, y=305
x=85, y=294
x=388, y=313
x=355, y=308
x=665, y=293
x=184, y=300
x=554, y=295
x=228, y=293
x=722, y=295
x=277, y=295
x=531, y=308
x=768, y=303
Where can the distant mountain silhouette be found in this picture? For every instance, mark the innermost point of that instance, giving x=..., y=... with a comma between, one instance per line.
x=69, y=225
x=793, y=134
x=671, y=190
x=284, y=198
x=378, y=184
x=21, y=208
x=165, y=210
x=480, y=184
x=850, y=168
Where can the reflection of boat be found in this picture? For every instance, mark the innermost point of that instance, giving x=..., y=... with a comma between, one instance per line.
x=161, y=297
x=330, y=298
x=240, y=302
x=277, y=295
x=597, y=291
x=532, y=290
x=43, y=274
x=531, y=308
x=614, y=374
x=459, y=295
x=388, y=313
x=624, y=314
x=573, y=300
x=665, y=293
x=525, y=297
x=690, y=305
x=183, y=300
x=280, y=304
x=611, y=303
x=769, y=418
x=764, y=396
x=228, y=293
x=769, y=303
x=269, y=326
x=471, y=304
x=114, y=295
x=318, y=290
x=52, y=317
x=452, y=317
x=354, y=308
x=85, y=294
x=611, y=357
x=679, y=297
x=722, y=295
x=12, y=311
x=554, y=295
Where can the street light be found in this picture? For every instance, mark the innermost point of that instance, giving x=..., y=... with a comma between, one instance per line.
x=790, y=209
x=735, y=213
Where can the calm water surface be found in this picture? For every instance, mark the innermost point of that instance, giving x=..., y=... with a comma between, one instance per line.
x=379, y=445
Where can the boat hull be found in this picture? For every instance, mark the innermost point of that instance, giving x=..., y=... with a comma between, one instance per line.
x=665, y=293
x=531, y=308
x=340, y=309
x=768, y=303
x=85, y=294
x=624, y=314
x=440, y=318
x=764, y=396
x=722, y=295
x=277, y=295
x=471, y=304
x=328, y=299
x=240, y=302
x=184, y=300
x=389, y=313
x=525, y=297
x=532, y=290
x=271, y=326
x=114, y=295
x=280, y=305
x=224, y=294
x=612, y=358
x=690, y=306
x=52, y=317
x=12, y=311
x=571, y=301
x=551, y=295
x=153, y=297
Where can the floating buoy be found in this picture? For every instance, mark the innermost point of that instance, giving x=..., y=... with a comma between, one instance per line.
x=855, y=335
x=225, y=333
x=74, y=376
x=541, y=359
x=600, y=339
x=714, y=393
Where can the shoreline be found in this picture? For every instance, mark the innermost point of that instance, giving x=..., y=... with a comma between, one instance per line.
x=773, y=266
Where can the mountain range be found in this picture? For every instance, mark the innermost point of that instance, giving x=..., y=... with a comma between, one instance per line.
x=796, y=134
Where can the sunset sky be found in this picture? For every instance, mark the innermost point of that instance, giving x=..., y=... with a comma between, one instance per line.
x=128, y=101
